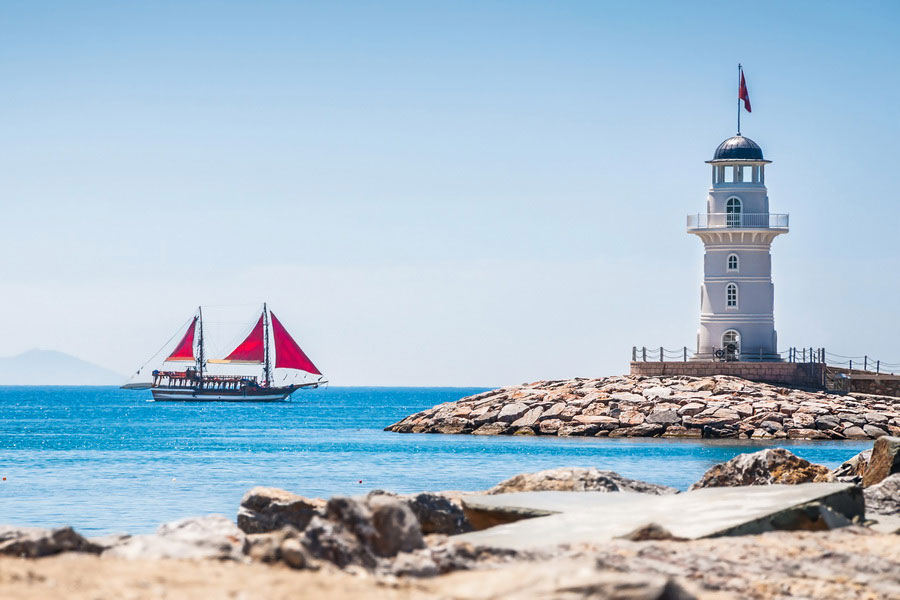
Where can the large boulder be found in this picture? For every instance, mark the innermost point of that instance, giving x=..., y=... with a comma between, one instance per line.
x=774, y=465
x=883, y=498
x=884, y=461
x=397, y=527
x=34, y=542
x=438, y=514
x=330, y=541
x=577, y=479
x=267, y=509
x=383, y=523
x=207, y=537
x=852, y=470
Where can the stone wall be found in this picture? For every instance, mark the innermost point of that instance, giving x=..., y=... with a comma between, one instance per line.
x=866, y=382
x=793, y=374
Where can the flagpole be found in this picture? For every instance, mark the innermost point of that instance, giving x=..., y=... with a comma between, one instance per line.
x=739, y=99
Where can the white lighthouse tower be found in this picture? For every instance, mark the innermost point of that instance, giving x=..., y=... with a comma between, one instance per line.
x=737, y=295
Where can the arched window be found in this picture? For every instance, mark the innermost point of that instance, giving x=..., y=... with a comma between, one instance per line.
x=731, y=342
x=731, y=295
x=733, y=212
x=733, y=264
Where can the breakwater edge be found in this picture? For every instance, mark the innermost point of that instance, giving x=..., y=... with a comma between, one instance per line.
x=678, y=407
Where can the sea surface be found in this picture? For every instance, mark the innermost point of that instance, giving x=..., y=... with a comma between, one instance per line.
x=109, y=460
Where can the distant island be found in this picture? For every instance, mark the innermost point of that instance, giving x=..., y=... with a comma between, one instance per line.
x=49, y=367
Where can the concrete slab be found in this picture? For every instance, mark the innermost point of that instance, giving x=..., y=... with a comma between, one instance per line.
x=707, y=512
x=490, y=511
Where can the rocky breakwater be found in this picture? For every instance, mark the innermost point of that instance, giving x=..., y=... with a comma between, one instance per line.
x=635, y=406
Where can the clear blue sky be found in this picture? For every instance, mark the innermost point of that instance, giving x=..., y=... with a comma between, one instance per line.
x=436, y=192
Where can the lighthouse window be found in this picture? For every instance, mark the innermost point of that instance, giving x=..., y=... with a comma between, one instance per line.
x=732, y=262
x=733, y=212
x=731, y=295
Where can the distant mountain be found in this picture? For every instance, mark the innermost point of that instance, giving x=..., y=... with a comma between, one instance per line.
x=49, y=367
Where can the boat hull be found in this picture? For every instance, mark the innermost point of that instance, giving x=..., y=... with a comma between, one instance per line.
x=188, y=394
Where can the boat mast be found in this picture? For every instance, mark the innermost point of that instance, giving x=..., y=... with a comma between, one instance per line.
x=200, y=356
x=267, y=375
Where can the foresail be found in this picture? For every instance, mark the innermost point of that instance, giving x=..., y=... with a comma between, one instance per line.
x=184, y=351
x=288, y=354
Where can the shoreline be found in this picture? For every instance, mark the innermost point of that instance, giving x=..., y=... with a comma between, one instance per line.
x=799, y=529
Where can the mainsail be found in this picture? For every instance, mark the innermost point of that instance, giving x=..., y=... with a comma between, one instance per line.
x=288, y=354
x=184, y=351
x=252, y=350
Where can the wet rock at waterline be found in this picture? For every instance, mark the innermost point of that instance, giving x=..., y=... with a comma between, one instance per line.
x=770, y=466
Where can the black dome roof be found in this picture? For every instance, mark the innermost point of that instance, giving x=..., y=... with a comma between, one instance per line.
x=738, y=148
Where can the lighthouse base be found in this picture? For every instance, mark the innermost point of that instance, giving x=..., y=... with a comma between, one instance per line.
x=811, y=375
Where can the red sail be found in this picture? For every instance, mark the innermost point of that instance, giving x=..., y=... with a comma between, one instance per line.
x=288, y=354
x=184, y=351
x=252, y=349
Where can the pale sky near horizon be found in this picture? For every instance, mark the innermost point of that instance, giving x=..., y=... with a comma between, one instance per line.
x=438, y=193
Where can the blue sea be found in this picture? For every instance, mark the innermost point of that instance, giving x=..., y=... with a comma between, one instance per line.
x=109, y=460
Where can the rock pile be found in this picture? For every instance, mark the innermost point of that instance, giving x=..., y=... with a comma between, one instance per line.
x=577, y=479
x=635, y=406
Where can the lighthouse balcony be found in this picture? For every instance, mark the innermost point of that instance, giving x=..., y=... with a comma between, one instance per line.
x=706, y=221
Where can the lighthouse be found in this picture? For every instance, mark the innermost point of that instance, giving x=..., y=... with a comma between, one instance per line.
x=737, y=230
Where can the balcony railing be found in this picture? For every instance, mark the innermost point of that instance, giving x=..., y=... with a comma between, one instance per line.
x=737, y=221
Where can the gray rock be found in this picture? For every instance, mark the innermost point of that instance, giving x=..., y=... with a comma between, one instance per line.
x=874, y=431
x=267, y=509
x=396, y=526
x=774, y=465
x=577, y=479
x=827, y=422
x=851, y=471
x=577, y=429
x=884, y=497
x=692, y=408
x=643, y=430
x=495, y=428
x=438, y=514
x=331, y=541
x=852, y=417
x=771, y=426
x=874, y=417
x=855, y=433
x=512, y=412
x=884, y=461
x=529, y=418
x=295, y=555
x=207, y=537
x=34, y=542
x=664, y=417
x=355, y=516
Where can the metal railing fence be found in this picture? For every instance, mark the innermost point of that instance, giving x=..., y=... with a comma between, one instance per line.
x=737, y=221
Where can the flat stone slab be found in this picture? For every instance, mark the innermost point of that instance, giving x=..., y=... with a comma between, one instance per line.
x=489, y=511
x=587, y=518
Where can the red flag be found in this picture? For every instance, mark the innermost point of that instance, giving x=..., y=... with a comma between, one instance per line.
x=744, y=94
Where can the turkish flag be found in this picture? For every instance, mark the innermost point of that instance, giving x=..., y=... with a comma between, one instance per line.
x=744, y=94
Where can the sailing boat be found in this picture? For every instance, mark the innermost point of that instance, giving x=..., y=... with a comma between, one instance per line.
x=195, y=383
